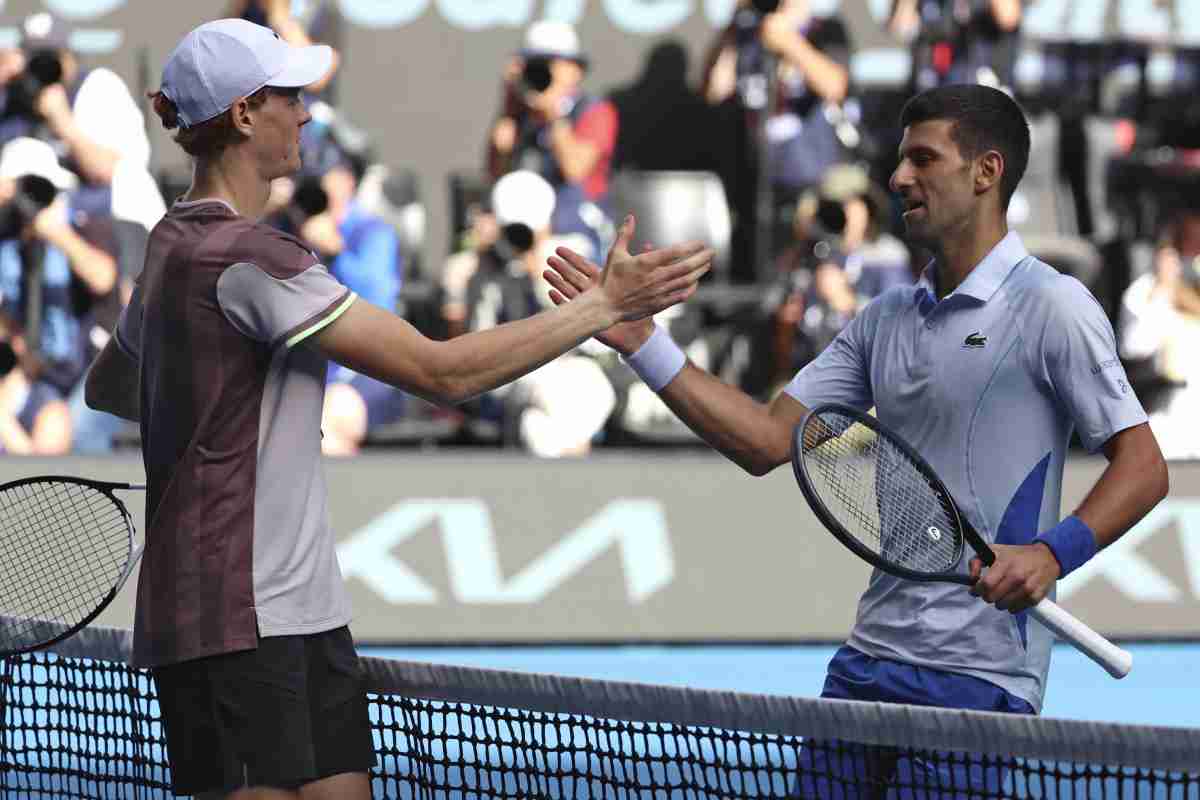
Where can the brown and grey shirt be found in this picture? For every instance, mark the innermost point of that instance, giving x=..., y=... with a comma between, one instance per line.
x=238, y=541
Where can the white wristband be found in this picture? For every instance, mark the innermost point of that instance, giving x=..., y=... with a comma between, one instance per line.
x=658, y=361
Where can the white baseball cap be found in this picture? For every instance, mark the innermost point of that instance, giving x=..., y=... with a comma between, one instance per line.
x=523, y=197
x=549, y=38
x=27, y=156
x=222, y=61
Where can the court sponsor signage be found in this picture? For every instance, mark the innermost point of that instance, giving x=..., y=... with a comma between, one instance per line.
x=464, y=547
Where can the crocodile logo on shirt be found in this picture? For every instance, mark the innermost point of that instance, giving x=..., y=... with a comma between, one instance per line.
x=975, y=339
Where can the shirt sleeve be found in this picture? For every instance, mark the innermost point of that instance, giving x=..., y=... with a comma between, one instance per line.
x=105, y=109
x=281, y=311
x=598, y=126
x=840, y=374
x=1144, y=318
x=1079, y=353
x=129, y=325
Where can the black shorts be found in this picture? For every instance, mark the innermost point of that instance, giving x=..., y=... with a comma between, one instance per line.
x=292, y=711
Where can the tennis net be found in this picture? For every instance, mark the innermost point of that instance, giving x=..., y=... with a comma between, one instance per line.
x=78, y=722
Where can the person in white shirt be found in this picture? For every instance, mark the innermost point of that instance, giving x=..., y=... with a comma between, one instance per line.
x=1160, y=322
x=88, y=114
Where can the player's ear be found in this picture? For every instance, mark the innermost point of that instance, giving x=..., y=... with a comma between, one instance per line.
x=241, y=118
x=989, y=168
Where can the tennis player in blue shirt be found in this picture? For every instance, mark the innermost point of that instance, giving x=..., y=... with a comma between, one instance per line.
x=986, y=366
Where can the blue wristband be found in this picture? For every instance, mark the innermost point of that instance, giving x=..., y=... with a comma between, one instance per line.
x=1072, y=543
x=658, y=361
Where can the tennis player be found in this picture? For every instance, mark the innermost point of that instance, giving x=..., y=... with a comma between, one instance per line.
x=987, y=365
x=241, y=611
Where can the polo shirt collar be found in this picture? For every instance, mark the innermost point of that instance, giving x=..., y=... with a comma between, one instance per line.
x=983, y=281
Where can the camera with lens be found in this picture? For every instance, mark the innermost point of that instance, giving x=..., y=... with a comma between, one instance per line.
x=824, y=233
x=536, y=75
x=309, y=198
x=33, y=194
x=43, y=68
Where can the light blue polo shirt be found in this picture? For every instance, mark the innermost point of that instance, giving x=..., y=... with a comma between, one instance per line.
x=988, y=385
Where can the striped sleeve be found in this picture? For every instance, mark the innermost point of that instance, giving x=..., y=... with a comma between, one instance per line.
x=281, y=311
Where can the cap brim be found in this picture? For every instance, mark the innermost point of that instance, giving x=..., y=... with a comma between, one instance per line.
x=578, y=58
x=305, y=65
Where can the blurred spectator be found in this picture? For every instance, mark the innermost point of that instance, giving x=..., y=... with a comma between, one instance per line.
x=1160, y=324
x=58, y=265
x=34, y=420
x=558, y=409
x=363, y=252
x=549, y=125
x=806, y=129
x=478, y=241
x=959, y=41
x=852, y=213
x=298, y=22
x=90, y=117
x=841, y=257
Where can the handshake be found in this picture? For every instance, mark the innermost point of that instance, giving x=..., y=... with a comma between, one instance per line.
x=630, y=289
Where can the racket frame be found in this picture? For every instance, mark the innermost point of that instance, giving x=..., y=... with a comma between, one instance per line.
x=830, y=521
x=1116, y=661
x=135, y=552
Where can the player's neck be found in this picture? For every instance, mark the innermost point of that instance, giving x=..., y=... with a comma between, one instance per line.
x=229, y=179
x=959, y=254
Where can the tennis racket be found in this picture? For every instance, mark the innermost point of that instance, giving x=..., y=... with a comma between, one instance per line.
x=884, y=502
x=66, y=549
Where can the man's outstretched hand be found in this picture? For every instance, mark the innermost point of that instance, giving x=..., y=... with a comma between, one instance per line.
x=640, y=286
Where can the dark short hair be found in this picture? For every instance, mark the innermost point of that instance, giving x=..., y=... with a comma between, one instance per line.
x=984, y=119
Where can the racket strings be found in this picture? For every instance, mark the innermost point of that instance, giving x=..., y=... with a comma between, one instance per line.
x=64, y=546
x=879, y=496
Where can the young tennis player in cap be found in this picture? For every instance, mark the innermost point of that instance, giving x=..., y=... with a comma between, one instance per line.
x=222, y=355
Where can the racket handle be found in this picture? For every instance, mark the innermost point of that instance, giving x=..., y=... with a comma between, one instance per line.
x=1116, y=662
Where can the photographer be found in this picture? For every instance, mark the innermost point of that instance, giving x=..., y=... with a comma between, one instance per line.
x=88, y=115
x=299, y=24
x=34, y=419
x=57, y=264
x=806, y=125
x=958, y=41
x=840, y=258
x=555, y=410
x=363, y=252
x=550, y=126
x=1160, y=324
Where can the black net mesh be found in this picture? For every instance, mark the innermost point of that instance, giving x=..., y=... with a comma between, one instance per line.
x=87, y=727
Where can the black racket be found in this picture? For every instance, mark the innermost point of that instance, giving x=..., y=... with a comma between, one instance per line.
x=66, y=548
x=884, y=502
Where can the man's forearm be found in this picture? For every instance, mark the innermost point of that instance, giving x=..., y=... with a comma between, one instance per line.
x=1133, y=483
x=824, y=76
x=484, y=360
x=96, y=268
x=739, y=427
x=97, y=162
x=576, y=157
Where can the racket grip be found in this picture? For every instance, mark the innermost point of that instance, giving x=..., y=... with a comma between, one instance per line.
x=1116, y=662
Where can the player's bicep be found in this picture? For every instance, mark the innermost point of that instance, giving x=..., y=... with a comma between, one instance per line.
x=1081, y=361
x=840, y=374
x=377, y=343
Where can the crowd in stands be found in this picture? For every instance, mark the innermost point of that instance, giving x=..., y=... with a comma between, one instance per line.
x=798, y=147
